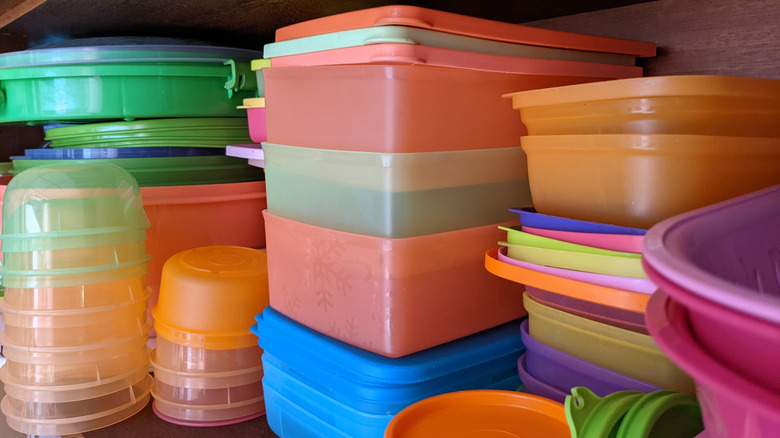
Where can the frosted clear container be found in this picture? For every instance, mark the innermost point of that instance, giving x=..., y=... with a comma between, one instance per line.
x=182, y=358
x=73, y=365
x=78, y=416
x=395, y=195
x=199, y=396
x=72, y=328
x=85, y=257
x=125, y=291
x=68, y=393
x=207, y=414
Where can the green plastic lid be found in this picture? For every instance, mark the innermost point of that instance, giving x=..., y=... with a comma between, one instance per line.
x=667, y=414
x=590, y=416
x=195, y=126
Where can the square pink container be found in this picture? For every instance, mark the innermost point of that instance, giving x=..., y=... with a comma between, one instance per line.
x=393, y=297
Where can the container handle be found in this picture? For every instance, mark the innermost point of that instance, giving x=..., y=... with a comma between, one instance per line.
x=241, y=77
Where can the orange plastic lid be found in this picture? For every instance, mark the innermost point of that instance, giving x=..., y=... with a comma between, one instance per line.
x=618, y=298
x=657, y=86
x=438, y=57
x=481, y=413
x=463, y=25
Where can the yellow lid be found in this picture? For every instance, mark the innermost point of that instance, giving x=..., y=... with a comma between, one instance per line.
x=253, y=102
x=257, y=64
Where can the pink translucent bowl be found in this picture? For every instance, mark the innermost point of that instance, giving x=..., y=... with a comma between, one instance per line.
x=733, y=405
x=614, y=242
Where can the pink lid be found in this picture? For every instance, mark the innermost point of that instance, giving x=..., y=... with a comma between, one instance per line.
x=448, y=22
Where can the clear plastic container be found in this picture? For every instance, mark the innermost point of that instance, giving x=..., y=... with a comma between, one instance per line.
x=623, y=351
x=82, y=296
x=71, y=328
x=390, y=296
x=223, y=380
x=683, y=104
x=198, y=396
x=395, y=195
x=85, y=257
x=75, y=276
x=210, y=295
x=639, y=180
x=207, y=414
x=69, y=393
x=81, y=365
x=182, y=358
x=74, y=417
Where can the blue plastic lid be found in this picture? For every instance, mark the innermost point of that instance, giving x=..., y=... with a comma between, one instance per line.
x=530, y=218
x=312, y=353
x=106, y=153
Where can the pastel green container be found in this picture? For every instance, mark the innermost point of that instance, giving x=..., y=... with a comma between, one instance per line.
x=188, y=132
x=395, y=195
x=169, y=171
x=78, y=84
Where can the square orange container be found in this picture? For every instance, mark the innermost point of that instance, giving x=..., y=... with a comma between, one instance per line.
x=400, y=108
x=393, y=297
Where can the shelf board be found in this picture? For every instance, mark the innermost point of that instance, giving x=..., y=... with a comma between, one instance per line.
x=238, y=23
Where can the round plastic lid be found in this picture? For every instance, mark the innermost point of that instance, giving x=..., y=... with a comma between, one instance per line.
x=121, y=49
x=156, y=127
x=110, y=153
x=483, y=413
x=531, y=218
x=668, y=414
x=222, y=260
x=591, y=416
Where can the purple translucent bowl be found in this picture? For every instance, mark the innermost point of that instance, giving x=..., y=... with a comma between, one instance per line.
x=534, y=386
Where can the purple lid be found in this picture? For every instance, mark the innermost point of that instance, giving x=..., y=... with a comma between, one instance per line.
x=534, y=386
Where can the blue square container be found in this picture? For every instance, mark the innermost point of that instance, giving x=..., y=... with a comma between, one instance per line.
x=316, y=386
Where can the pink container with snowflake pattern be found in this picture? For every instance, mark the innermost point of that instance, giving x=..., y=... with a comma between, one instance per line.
x=393, y=297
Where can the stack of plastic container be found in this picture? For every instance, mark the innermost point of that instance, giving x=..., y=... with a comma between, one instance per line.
x=390, y=166
x=717, y=313
x=75, y=302
x=162, y=108
x=207, y=364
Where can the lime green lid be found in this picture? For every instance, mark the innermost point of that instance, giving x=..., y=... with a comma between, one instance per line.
x=591, y=416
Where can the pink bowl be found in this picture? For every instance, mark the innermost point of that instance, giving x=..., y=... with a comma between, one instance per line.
x=733, y=405
x=257, y=128
x=748, y=345
x=614, y=242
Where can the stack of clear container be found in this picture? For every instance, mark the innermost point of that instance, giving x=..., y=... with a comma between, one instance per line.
x=75, y=303
x=207, y=364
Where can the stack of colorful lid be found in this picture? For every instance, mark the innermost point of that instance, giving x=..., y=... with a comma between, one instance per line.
x=390, y=166
x=75, y=302
x=207, y=364
x=717, y=313
x=163, y=109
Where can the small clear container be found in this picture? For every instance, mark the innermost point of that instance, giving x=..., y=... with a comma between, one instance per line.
x=207, y=414
x=205, y=397
x=181, y=358
x=107, y=256
x=81, y=296
x=72, y=328
x=75, y=276
x=80, y=365
x=43, y=418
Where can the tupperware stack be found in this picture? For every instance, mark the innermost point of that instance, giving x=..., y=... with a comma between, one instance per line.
x=390, y=160
x=163, y=109
x=609, y=160
x=207, y=364
x=75, y=303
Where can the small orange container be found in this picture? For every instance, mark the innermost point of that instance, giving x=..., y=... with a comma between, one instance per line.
x=210, y=295
x=706, y=105
x=400, y=108
x=640, y=180
x=481, y=413
x=393, y=297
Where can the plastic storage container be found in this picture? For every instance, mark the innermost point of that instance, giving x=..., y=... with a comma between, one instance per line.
x=390, y=34
x=480, y=413
x=210, y=295
x=255, y=114
x=390, y=296
x=317, y=385
x=594, y=293
x=85, y=296
x=733, y=405
x=691, y=104
x=394, y=195
x=424, y=18
x=132, y=80
x=640, y=180
x=623, y=351
x=614, y=242
x=528, y=216
x=182, y=358
x=564, y=372
x=396, y=108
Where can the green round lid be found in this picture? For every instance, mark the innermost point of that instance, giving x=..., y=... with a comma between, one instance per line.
x=172, y=126
x=591, y=416
x=96, y=50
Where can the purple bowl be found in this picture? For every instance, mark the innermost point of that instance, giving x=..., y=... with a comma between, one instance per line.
x=530, y=218
x=563, y=371
x=534, y=386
